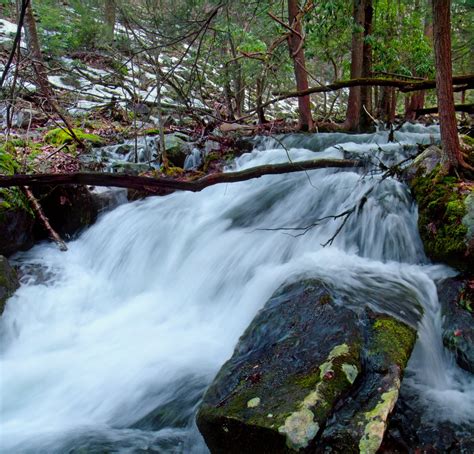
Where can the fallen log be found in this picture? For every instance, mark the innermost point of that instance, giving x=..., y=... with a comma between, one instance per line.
x=468, y=108
x=467, y=81
x=143, y=183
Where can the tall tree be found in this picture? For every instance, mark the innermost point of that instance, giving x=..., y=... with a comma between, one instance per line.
x=354, y=104
x=366, y=91
x=295, y=43
x=444, y=87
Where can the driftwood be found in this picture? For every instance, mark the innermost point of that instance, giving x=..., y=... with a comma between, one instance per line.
x=36, y=207
x=144, y=183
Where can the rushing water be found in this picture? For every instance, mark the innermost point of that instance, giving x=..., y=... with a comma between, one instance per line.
x=109, y=347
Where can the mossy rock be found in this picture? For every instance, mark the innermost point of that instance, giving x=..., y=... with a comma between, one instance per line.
x=8, y=282
x=59, y=136
x=295, y=365
x=446, y=218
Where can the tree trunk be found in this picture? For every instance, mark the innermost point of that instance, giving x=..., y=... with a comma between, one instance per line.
x=260, y=110
x=366, y=92
x=354, y=102
x=110, y=16
x=295, y=44
x=34, y=51
x=417, y=100
x=444, y=87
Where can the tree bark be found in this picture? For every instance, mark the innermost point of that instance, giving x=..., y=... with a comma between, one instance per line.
x=295, y=44
x=144, y=183
x=354, y=102
x=110, y=16
x=366, y=91
x=444, y=87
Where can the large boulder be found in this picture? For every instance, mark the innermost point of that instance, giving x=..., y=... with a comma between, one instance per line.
x=308, y=374
x=16, y=230
x=446, y=213
x=8, y=282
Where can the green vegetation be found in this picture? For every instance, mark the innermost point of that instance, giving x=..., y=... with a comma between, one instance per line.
x=59, y=136
x=392, y=339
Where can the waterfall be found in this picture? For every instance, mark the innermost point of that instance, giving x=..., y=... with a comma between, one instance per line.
x=110, y=346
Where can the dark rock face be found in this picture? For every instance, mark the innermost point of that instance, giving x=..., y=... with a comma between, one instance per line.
x=16, y=231
x=68, y=208
x=308, y=375
x=457, y=300
x=410, y=431
x=8, y=282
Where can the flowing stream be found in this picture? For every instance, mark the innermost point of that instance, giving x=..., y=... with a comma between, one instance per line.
x=109, y=346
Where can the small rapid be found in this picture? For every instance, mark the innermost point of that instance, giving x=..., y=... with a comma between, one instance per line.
x=110, y=346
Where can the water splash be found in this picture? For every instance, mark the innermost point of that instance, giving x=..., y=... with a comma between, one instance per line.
x=113, y=345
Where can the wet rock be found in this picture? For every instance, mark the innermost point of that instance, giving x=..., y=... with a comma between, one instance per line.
x=308, y=374
x=105, y=198
x=176, y=149
x=8, y=282
x=16, y=230
x=69, y=209
x=129, y=168
x=424, y=163
x=412, y=430
x=457, y=301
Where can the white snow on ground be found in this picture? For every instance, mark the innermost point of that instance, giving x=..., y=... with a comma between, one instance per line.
x=7, y=28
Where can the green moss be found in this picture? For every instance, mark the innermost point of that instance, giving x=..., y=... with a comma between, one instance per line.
x=392, y=339
x=468, y=141
x=441, y=211
x=173, y=171
x=209, y=159
x=60, y=136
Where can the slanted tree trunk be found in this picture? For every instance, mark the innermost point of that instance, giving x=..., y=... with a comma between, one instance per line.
x=110, y=16
x=444, y=87
x=295, y=44
x=41, y=73
x=35, y=54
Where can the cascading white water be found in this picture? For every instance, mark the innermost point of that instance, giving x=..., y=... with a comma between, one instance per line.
x=109, y=347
